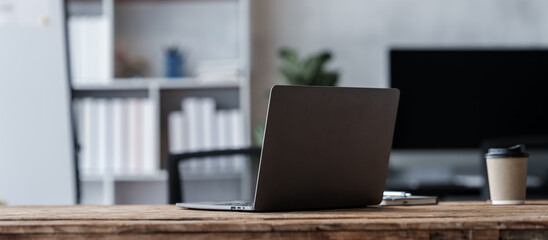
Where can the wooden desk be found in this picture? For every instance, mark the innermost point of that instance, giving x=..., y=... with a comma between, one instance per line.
x=472, y=220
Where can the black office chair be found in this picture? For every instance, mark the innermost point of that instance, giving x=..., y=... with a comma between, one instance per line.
x=175, y=190
x=531, y=143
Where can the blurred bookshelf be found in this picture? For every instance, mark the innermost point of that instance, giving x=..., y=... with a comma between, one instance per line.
x=119, y=63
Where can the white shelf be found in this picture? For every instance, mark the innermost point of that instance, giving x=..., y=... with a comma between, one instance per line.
x=160, y=175
x=120, y=84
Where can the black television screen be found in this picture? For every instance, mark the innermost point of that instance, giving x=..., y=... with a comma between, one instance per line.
x=456, y=98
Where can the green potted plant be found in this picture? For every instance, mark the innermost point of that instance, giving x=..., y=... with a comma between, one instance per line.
x=308, y=71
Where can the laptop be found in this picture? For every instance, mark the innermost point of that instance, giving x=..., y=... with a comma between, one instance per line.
x=323, y=147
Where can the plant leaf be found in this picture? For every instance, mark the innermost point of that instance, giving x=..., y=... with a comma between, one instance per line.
x=289, y=55
x=290, y=76
x=311, y=70
x=329, y=78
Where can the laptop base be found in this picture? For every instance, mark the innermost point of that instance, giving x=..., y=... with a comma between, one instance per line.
x=223, y=206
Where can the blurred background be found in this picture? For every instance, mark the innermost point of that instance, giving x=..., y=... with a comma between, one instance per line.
x=140, y=80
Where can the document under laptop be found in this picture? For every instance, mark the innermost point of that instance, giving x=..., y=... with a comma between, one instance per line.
x=323, y=147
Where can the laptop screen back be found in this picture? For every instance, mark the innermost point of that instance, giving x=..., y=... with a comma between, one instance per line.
x=325, y=147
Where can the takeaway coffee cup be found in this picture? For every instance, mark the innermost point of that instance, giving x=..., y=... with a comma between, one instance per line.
x=507, y=173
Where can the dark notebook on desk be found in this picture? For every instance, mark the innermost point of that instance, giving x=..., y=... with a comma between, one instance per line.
x=324, y=147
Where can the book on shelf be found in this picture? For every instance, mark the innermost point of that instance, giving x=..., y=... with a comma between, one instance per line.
x=236, y=133
x=208, y=129
x=193, y=127
x=223, y=135
x=119, y=126
x=199, y=126
x=117, y=136
x=149, y=137
x=227, y=70
x=134, y=135
x=176, y=133
x=103, y=133
x=88, y=49
x=89, y=137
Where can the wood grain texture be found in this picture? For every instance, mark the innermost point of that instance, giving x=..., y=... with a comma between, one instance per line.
x=448, y=220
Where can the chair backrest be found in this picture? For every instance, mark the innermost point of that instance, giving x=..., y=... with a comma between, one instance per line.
x=175, y=190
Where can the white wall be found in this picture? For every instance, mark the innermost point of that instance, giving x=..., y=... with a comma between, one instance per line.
x=360, y=33
x=36, y=145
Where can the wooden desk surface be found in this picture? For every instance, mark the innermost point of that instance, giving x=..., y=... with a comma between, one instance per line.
x=472, y=220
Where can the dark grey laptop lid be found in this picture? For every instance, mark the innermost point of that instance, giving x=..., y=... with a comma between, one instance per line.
x=325, y=147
